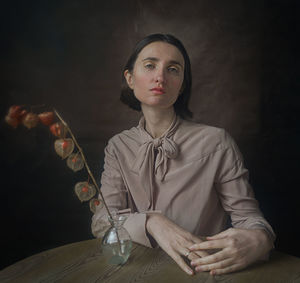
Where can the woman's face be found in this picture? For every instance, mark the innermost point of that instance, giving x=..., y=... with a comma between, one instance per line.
x=157, y=76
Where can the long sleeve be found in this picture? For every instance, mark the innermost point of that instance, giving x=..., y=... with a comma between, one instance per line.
x=236, y=194
x=116, y=197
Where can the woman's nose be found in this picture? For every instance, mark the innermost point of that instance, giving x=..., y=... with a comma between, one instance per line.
x=160, y=76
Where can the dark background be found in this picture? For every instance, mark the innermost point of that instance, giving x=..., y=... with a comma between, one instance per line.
x=69, y=55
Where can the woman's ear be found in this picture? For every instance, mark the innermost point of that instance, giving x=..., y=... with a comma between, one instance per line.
x=129, y=78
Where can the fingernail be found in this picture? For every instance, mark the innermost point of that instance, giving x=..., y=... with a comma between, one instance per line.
x=193, y=263
x=190, y=272
x=199, y=268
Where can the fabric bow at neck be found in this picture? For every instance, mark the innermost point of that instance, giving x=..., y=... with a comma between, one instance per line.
x=153, y=155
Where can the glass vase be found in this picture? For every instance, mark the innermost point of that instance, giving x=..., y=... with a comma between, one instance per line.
x=116, y=243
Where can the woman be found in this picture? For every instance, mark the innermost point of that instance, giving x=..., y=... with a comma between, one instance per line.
x=191, y=173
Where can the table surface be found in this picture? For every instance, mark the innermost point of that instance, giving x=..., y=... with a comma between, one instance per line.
x=84, y=262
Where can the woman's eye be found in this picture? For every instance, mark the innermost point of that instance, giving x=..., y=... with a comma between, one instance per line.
x=149, y=66
x=173, y=70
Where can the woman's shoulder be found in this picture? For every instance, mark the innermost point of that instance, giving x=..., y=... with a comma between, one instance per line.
x=193, y=129
x=127, y=138
x=199, y=135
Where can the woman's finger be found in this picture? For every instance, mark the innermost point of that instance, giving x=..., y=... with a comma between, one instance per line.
x=226, y=270
x=179, y=260
x=220, y=235
x=214, y=266
x=184, y=252
x=217, y=257
x=209, y=245
x=201, y=253
x=197, y=240
x=192, y=256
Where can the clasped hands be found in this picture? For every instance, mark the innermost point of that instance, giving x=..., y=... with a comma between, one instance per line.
x=228, y=251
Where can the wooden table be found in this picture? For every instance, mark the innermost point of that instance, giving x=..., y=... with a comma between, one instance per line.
x=84, y=262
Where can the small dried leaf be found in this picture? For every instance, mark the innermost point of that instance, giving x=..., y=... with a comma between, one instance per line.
x=75, y=162
x=64, y=147
x=95, y=203
x=85, y=191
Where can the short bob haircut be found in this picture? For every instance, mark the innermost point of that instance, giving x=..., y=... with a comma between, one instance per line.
x=181, y=104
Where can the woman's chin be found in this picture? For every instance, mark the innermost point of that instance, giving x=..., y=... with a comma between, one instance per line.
x=156, y=106
x=158, y=102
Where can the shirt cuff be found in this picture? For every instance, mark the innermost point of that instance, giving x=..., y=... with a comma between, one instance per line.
x=267, y=228
x=135, y=224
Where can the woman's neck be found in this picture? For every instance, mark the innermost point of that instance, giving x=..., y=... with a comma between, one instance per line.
x=157, y=120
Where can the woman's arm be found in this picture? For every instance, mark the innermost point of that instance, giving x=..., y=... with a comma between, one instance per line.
x=115, y=194
x=252, y=237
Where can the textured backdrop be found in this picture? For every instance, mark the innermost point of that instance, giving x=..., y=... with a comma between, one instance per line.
x=69, y=54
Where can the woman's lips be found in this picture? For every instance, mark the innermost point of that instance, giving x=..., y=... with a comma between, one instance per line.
x=158, y=90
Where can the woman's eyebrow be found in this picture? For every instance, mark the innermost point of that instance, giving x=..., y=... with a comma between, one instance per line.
x=156, y=60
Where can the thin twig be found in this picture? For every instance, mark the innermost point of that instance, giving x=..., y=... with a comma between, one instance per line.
x=90, y=174
x=84, y=160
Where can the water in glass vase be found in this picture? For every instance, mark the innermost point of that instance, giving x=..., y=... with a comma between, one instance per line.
x=115, y=255
x=116, y=243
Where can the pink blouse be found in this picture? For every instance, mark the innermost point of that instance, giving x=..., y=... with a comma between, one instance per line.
x=193, y=174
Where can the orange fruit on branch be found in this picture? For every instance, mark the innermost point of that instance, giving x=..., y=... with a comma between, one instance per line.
x=30, y=120
x=75, y=162
x=64, y=147
x=94, y=204
x=15, y=111
x=46, y=118
x=13, y=122
x=85, y=191
x=57, y=129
